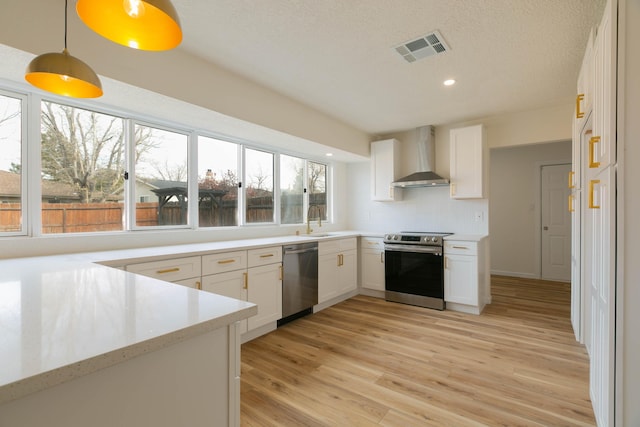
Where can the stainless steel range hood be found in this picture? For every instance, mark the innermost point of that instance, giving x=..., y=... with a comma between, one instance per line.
x=424, y=177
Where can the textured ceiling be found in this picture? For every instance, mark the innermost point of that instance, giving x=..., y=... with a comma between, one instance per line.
x=337, y=55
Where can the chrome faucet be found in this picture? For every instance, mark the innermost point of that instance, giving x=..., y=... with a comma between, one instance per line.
x=317, y=209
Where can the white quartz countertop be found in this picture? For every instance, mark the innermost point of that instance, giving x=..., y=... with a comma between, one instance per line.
x=61, y=319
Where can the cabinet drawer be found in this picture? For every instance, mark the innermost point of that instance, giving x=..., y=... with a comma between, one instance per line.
x=452, y=247
x=371, y=243
x=223, y=262
x=335, y=246
x=171, y=270
x=264, y=256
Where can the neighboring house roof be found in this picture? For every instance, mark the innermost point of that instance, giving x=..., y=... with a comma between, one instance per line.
x=10, y=186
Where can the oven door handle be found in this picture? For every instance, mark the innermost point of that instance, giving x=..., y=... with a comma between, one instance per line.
x=413, y=248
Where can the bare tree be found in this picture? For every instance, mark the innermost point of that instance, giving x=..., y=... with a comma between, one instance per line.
x=85, y=149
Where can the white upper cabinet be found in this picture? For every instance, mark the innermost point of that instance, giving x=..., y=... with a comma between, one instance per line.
x=584, y=97
x=467, y=161
x=384, y=170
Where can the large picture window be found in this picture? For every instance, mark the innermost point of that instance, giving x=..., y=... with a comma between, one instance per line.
x=161, y=171
x=217, y=182
x=11, y=175
x=82, y=155
x=258, y=180
x=317, y=189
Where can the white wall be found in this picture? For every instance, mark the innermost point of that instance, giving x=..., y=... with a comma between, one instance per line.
x=514, y=208
x=628, y=280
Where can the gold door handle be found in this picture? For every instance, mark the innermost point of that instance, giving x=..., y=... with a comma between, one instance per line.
x=571, y=209
x=592, y=183
x=226, y=261
x=592, y=155
x=446, y=263
x=245, y=277
x=579, y=99
x=571, y=175
x=266, y=256
x=168, y=270
x=199, y=285
x=281, y=272
x=382, y=257
x=452, y=189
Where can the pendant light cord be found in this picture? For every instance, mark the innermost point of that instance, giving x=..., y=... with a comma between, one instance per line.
x=65, y=23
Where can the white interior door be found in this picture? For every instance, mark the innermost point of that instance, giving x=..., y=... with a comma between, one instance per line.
x=556, y=223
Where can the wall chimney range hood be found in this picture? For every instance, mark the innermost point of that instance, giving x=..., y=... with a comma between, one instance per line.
x=424, y=177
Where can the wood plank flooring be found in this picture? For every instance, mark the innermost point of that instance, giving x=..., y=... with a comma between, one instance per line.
x=368, y=362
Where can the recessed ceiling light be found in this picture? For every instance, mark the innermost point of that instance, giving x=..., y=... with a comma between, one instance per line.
x=329, y=154
x=449, y=82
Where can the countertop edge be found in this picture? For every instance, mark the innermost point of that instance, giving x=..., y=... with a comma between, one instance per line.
x=63, y=374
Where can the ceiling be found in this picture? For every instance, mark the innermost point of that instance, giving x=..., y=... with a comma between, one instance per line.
x=338, y=56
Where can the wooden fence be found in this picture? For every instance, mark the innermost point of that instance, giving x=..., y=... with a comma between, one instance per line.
x=92, y=217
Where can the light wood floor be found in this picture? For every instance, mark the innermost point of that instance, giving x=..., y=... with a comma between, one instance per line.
x=368, y=362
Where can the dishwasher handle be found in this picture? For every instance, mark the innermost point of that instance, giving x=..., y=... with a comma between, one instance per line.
x=299, y=251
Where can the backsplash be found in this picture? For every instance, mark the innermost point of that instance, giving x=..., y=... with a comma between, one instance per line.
x=421, y=209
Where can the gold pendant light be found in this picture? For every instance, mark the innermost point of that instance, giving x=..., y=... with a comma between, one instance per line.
x=139, y=24
x=63, y=74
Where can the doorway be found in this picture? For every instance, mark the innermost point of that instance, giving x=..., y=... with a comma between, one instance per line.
x=555, y=223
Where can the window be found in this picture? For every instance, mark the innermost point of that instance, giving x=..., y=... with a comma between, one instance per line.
x=291, y=190
x=217, y=182
x=11, y=182
x=317, y=189
x=161, y=172
x=82, y=154
x=258, y=178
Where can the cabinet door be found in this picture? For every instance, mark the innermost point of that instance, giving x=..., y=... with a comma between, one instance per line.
x=347, y=272
x=327, y=277
x=265, y=289
x=384, y=170
x=461, y=279
x=232, y=284
x=467, y=159
x=373, y=267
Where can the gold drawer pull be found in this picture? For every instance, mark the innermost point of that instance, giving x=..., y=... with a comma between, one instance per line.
x=382, y=257
x=460, y=247
x=226, y=261
x=592, y=183
x=579, y=99
x=571, y=175
x=266, y=256
x=592, y=143
x=168, y=270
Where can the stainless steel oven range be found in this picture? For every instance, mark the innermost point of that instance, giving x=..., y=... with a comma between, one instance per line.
x=414, y=268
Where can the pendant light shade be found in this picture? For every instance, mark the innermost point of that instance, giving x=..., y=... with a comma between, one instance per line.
x=63, y=74
x=139, y=24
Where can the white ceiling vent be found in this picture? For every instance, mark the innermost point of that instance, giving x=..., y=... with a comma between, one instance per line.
x=423, y=47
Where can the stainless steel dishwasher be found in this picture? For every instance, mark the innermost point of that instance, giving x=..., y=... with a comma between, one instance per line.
x=300, y=281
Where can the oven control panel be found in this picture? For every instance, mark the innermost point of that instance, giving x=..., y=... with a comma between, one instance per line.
x=432, y=239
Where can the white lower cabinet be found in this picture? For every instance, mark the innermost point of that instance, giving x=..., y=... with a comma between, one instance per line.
x=372, y=263
x=337, y=268
x=255, y=276
x=465, y=276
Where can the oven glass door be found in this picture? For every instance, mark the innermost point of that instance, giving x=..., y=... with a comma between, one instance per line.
x=414, y=273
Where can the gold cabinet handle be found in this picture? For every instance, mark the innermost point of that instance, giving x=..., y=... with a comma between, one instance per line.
x=226, y=261
x=571, y=209
x=459, y=247
x=446, y=263
x=168, y=270
x=266, y=256
x=579, y=99
x=199, y=285
x=382, y=257
x=452, y=189
x=281, y=272
x=592, y=183
x=245, y=277
x=592, y=144
x=571, y=175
